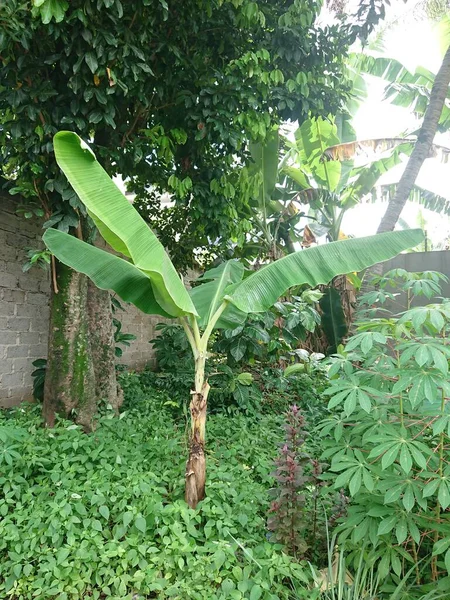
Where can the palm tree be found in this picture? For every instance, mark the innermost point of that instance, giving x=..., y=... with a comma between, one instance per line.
x=422, y=146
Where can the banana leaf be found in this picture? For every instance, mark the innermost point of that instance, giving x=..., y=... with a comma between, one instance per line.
x=107, y=271
x=333, y=318
x=318, y=265
x=207, y=297
x=119, y=223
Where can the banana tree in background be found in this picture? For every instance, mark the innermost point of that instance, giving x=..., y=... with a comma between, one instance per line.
x=147, y=278
x=272, y=214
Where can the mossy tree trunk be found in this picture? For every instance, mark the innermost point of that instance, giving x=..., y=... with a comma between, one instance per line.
x=102, y=346
x=80, y=366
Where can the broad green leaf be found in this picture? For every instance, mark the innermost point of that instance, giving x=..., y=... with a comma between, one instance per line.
x=313, y=137
x=333, y=318
x=207, y=297
x=116, y=216
x=368, y=480
x=387, y=525
x=256, y=592
x=355, y=483
x=408, y=499
x=431, y=487
x=318, y=265
x=405, y=459
x=140, y=524
x=107, y=271
x=265, y=157
x=127, y=518
x=104, y=511
x=298, y=176
x=441, y=546
x=390, y=455
x=447, y=561
x=444, y=495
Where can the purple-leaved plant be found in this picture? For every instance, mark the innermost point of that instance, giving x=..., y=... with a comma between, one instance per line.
x=287, y=514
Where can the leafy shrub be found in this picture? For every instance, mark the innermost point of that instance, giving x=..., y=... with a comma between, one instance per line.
x=103, y=515
x=388, y=438
x=171, y=347
x=38, y=376
x=272, y=336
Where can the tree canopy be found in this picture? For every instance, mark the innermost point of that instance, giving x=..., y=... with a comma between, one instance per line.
x=169, y=94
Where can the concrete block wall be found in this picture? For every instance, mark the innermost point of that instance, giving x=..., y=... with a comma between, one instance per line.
x=24, y=305
x=24, y=310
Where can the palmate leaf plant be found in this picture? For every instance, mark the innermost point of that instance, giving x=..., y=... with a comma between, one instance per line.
x=147, y=278
x=388, y=436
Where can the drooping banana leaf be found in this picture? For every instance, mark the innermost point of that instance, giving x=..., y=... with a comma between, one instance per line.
x=333, y=318
x=405, y=89
x=265, y=157
x=351, y=150
x=318, y=265
x=107, y=271
x=425, y=198
x=119, y=223
x=207, y=297
x=300, y=178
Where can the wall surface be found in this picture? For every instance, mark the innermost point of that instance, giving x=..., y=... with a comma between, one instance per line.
x=419, y=262
x=24, y=310
x=24, y=307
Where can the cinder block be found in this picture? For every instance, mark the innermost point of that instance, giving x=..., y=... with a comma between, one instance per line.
x=28, y=282
x=20, y=365
x=8, y=252
x=14, y=399
x=17, y=351
x=12, y=379
x=8, y=337
x=5, y=364
x=19, y=324
x=40, y=325
x=15, y=296
x=38, y=299
x=44, y=285
x=27, y=310
x=37, y=351
x=29, y=337
x=6, y=309
x=8, y=280
x=10, y=221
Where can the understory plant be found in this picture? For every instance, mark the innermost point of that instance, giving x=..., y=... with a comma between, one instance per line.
x=224, y=298
x=102, y=516
x=388, y=437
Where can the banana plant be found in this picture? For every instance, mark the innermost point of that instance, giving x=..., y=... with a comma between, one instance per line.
x=147, y=278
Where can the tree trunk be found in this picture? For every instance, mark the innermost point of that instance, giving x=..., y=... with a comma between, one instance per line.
x=196, y=463
x=103, y=347
x=70, y=379
x=420, y=153
x=422, y=146
x=81, y=362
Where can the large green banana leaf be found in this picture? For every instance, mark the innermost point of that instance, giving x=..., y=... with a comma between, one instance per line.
x=207, y=297
x=265, y=157
x=119, y=223
x=318, y=265
x=333, y=318
x=313, y=137
x=107, y=271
